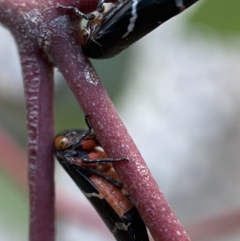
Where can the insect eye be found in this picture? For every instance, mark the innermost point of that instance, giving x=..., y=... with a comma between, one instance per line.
x=61, y=142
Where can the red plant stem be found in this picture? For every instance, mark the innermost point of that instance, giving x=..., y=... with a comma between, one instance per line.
x=39, y=92
x=23, y=21
x=113, y=136
x=38, y=83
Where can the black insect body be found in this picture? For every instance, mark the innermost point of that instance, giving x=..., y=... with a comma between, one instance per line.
x=114, y=27
x=79, y=153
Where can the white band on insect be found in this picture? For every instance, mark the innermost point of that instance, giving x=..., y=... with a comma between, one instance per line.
x=132, y=20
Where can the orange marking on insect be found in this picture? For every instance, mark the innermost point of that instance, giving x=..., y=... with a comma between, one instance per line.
x=88, y=144
x=112, y=195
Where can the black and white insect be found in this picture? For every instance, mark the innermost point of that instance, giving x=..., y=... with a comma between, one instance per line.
x=115, y=26
x=81, y=155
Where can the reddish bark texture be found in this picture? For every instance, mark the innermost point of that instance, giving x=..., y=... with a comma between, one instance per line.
x=44, y=35
x=24, y=23
x=113, y=136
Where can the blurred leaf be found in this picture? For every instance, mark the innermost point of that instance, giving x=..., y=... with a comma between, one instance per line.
x=14, y=209
x=13, y=120
x=111, y=72
x=68, y=114
x=219, y=15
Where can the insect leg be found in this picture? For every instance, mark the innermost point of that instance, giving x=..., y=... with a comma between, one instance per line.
x=104, y=160
x=89, y=16
x=100, y=7
x=87, y=116
x=104, y=7
x=85, y=133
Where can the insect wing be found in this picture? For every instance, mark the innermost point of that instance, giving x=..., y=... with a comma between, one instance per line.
x=136, y=227
x=117, y=33
x=121, y=228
